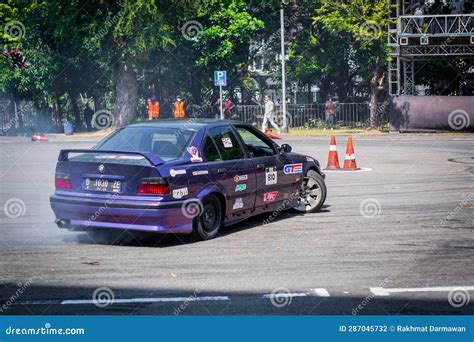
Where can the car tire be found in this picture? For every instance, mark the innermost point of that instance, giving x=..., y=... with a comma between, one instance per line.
x=312, y=193
x=207, y=224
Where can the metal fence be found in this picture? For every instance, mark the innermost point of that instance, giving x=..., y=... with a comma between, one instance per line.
x=351, y=115
x=301, y=116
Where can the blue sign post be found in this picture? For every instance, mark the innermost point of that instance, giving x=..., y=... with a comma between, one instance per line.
x=220, y=80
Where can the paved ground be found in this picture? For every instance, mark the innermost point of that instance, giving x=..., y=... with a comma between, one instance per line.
x=395, y=240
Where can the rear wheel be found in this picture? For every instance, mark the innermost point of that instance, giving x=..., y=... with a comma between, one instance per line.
x=312, y=193
x=207, y=224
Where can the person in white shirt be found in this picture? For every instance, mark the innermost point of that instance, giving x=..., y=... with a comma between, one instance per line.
x=268, y=116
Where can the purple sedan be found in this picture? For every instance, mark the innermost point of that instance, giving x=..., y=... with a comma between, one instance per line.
x=182, y=177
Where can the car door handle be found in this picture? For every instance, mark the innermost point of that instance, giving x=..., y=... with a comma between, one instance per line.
x=222, y=170
x=260, y=166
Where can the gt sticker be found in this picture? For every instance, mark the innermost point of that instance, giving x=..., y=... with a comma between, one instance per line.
x=194, y=152
x=270, y=196
x=239, y=204
x=174, y=173
x=180, y=193
x=227, y=142
x=240, y=187
x=271, y=178
x=200, y=172
x=238, y=178
x=293, y=168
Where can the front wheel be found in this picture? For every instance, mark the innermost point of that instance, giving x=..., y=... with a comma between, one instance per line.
x=312, y=193
x=207, y=224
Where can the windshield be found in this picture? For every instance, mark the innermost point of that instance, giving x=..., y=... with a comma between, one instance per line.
x=167, y=143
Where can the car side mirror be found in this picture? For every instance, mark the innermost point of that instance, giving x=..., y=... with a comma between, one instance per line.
x=286, y=148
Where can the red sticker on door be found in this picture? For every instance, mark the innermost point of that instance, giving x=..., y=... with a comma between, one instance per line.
x=270, y=196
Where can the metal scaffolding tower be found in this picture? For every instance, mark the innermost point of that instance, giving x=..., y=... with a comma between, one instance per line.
x=413, y=38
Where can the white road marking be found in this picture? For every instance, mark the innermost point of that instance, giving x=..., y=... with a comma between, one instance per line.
x=313, y=292
x=380, y=291
x=150, y=300
x=126, y=301
x=284, y=295
x=321, y=292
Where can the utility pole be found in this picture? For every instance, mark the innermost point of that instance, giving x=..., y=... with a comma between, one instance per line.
x=283, y=73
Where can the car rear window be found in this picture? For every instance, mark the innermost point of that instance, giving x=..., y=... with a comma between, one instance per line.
x=167, y=143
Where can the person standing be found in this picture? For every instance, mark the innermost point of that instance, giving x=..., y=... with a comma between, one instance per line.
x=268, y=115
x=153, y=108
x=228, y=105
x=330, y=110
x=178, y=109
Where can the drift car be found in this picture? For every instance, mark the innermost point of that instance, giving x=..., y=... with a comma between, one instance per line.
x=182, y=177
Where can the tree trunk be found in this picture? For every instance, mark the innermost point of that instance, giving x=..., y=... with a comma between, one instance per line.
x=377, y=78
x=75, y=110
x=125, y=95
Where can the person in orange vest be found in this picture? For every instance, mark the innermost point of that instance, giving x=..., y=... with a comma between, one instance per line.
x=153, y=108
x=178, y=109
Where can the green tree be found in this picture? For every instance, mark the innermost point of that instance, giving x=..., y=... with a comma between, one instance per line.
x=363, y=25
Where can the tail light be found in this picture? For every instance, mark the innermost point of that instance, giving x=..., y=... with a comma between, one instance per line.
x=62, y=181
x=153, y=186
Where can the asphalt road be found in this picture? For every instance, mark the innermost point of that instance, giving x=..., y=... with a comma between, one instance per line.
x=397, y=239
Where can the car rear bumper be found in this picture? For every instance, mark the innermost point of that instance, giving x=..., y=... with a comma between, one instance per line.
x=149, y=215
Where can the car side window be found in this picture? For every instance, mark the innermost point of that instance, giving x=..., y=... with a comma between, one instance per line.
x=227, y=143
x=210, y=151
x=255, y=144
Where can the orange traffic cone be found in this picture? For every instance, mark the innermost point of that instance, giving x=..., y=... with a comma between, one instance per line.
x=333, y=159
x=38, y=137
x=350, y=161
x=272, y=135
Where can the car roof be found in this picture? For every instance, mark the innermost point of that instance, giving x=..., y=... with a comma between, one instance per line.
x=189, y=123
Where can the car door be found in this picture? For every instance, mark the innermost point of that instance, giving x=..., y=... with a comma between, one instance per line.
x=274, y=181
x=229, y=167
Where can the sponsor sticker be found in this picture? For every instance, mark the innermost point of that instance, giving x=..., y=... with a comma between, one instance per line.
x=180, y=193
x=271, y=178
x=239, y=178
x=292, y=168
x=194, y=152
x=200, y=172
x=174, y=173
x=239, y=203
x=227, y=142
x=270, y=196
x=240, y=187
x=309, y=159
